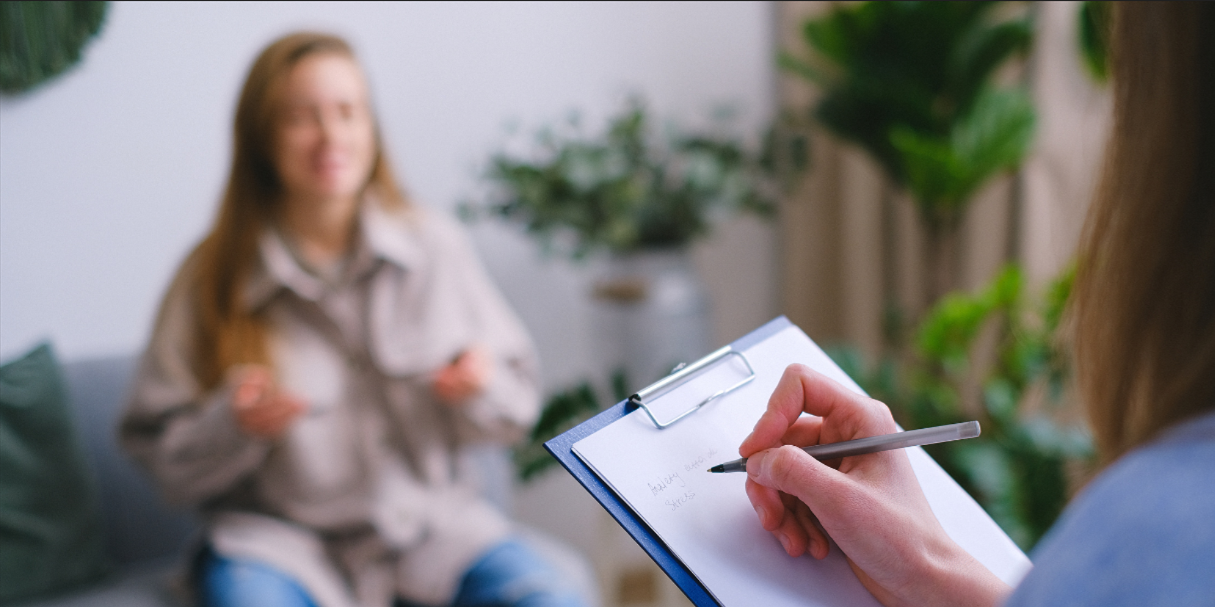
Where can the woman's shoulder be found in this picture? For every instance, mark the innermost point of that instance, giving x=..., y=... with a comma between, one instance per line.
x=414, y=225
x=1142, y=533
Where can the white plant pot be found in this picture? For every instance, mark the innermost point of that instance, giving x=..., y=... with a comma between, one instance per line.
x=653, y=313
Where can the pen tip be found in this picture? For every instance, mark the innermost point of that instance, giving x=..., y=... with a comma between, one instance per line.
x=717, y=469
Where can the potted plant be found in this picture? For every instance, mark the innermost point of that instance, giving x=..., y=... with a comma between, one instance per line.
x=624, y=190
x=639, y=200
x=1021, y=469
x=913, y=84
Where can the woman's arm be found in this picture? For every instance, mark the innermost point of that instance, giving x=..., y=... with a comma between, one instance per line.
x=870, y=505
x=190, y=440
x=498, y=377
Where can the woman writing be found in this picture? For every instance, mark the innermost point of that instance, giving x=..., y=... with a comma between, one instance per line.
x=1143, y=531
x=320, y=359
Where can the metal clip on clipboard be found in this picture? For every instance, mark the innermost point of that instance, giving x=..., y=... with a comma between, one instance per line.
x=683, y=372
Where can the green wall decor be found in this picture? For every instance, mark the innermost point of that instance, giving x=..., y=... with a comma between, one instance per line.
x=40, y=40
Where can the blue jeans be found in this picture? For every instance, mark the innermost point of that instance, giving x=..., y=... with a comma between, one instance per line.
x=510, y=574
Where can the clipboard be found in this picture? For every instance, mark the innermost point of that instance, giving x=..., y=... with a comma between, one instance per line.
x=707, y=380
x=562, y=448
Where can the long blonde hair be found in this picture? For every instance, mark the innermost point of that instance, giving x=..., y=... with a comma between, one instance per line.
x=216, y=272
x=1145, y=291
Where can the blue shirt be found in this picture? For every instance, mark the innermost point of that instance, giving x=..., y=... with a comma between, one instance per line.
x=1141, y=533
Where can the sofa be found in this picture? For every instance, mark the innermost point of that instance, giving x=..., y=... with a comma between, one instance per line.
x=143, y=538
x=145, y=541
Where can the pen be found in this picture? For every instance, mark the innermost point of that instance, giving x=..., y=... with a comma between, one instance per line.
x=874, y=444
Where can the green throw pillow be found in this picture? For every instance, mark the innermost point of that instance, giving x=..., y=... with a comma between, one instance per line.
x=50, y=532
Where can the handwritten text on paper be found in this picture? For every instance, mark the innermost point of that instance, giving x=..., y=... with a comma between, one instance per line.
x=672, y=488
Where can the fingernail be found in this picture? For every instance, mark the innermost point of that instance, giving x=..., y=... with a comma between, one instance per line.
x=754, y=464
x=784, y=541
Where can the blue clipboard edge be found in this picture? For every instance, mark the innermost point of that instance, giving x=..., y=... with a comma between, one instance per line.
x=562, y=448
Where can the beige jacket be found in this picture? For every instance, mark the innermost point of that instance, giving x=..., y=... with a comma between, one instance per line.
x=363, y=498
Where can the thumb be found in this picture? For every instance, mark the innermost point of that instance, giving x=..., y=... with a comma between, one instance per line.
x=795, y=472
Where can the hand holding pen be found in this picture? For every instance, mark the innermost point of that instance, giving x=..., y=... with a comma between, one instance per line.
x=872, y=506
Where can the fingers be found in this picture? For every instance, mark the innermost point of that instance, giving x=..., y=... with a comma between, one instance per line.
x=271, y=417
x=260, y=409
x=466, y=376
x=767, y=503
x=475, y=366
x=801, y=389
x=777, y=516
x=792, y=535
x=793, y=471
x=805, y=431
x=817, y=537
x=249, y=384
x=474, y=360
x=784, y=407
x=452, y=385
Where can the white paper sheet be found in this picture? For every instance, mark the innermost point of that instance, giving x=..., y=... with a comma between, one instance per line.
x=706, y=519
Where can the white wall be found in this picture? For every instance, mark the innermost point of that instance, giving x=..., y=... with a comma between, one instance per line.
x=110, y=173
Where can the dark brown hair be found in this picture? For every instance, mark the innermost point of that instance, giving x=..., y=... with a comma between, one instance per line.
x=1145, y=290
x=227, y=333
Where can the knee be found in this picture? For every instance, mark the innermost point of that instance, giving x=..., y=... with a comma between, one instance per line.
x=227, y=582
x=512, y=573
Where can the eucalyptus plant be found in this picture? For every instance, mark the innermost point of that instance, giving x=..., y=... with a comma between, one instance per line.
x=625, y=189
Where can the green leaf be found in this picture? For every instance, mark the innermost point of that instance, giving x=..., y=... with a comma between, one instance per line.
x=1000, y=399
x=622, y=190
x=795, y=65
x=931, y=166
x=980, y=51
x=620, y=385
x=987, y=467
x=1057, y=296
x=995, y=135
x=944, y=172
x=849, y=359
x=565, y=409
x=561, y=412
x=1093, y=33
x=900, y=78
x=951, y=326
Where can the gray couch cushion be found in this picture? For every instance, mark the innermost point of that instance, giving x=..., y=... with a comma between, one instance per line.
x=142, y=535
x=139, y=526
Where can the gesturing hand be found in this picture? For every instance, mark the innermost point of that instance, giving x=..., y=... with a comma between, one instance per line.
x=261, y=409
x=871, y=505
x=465, y=377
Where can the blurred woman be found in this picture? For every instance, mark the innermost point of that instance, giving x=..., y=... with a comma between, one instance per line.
x=1143, y=531
x=318, y=363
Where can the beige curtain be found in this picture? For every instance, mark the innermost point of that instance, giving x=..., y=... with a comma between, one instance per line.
x=849, y=242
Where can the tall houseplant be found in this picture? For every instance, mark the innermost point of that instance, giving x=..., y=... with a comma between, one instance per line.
x=913, y=84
